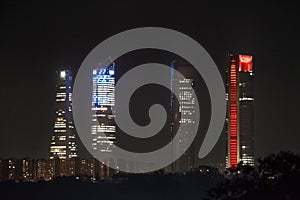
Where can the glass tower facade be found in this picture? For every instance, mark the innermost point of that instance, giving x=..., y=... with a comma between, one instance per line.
x=240, y=110
x=103, y=100
x=63, y=141
x=183, y=112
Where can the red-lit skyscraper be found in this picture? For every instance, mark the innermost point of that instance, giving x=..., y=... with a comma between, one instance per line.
x=240, y=110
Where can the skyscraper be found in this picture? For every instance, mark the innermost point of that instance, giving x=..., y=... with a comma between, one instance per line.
x=240, y=110
x=103, y=100
x=183, y=111
x=63, y=141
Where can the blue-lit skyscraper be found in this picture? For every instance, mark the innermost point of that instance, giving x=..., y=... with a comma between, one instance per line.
x=103, y=94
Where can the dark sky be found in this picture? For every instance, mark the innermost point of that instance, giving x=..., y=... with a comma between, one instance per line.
x=38, y=38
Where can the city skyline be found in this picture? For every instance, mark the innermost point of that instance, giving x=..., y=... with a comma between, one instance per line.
x=40, y=44
x=122, y=99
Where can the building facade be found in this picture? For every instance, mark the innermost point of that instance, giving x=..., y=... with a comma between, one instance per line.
x=63, y=147
x=103, y=119
x=63, y=141
x=240, y=111
x=183, y=114
x=103, y=100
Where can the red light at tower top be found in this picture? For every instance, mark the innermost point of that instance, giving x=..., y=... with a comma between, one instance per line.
x=245, y=63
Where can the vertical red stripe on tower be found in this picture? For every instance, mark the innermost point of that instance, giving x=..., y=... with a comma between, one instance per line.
x=233, y=112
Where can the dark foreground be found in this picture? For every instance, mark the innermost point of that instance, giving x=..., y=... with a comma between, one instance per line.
x=275, y=177
x=191, y=186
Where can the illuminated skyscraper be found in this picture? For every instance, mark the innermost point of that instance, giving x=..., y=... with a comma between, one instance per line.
x=103, y=100
x=63, y=141
x=183, y=113
x=240, y=110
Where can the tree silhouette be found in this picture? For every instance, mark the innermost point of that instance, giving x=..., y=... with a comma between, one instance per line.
x=276, y=177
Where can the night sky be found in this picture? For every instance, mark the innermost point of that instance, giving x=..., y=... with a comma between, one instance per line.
x=38, y=38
